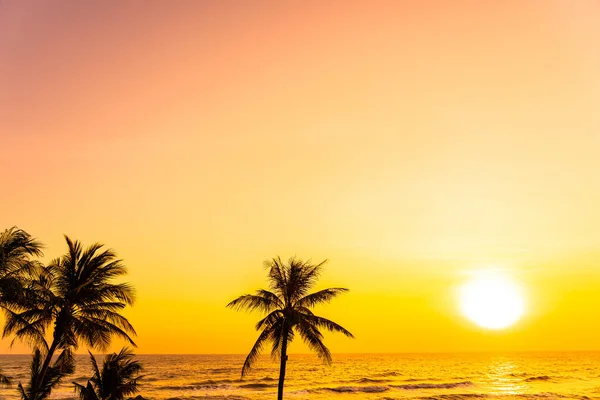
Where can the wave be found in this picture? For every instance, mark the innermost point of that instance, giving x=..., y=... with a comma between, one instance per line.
x=546, y=395
x=371, y=380
x=192, y=386
x=389, y=373
x=365, y=380
x=363, y=389
x=385, y=388
x=222, y=370
x=216, y=397
x=550, y=395
x=538, y=378
x=456, y=396
x=423, y=379
x=213, y=382
x=257, y=386
x=527, y=396
x=448, y=385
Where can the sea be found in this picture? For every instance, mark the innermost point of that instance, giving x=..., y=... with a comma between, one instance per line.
x=535, y=376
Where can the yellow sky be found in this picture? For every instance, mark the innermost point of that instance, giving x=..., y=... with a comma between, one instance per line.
x=409, y=142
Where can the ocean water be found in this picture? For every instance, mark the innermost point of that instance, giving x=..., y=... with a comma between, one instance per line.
x=535, y=376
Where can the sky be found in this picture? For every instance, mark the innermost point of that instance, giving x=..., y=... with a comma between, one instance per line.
x=413, y=144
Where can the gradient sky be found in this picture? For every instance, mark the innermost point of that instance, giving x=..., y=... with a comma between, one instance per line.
x=412, y=143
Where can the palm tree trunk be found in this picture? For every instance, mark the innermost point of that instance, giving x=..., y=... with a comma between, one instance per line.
x=55, y=340
x=44, y=369
x=58, y=333
x=283, y=363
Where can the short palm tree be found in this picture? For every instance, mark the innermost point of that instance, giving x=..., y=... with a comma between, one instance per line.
x=40, y=386
x=76, y=296
x=117, y=379
x=287, y=306
x=17, y=248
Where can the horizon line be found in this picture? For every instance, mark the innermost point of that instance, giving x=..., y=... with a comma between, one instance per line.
x=356, y=353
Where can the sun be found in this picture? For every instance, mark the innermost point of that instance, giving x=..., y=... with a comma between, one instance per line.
x=492, y=301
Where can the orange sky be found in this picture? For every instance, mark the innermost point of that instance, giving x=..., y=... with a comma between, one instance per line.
x=409, y=142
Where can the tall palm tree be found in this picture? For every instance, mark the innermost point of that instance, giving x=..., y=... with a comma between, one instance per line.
x=117, y=379
x=17, y=248
x=76, y=296
x=287, y=306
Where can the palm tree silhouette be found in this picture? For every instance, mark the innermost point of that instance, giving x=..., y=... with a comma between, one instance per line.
x=40, y=386
x=16, y=249
x=288, y=312
x=74, y=294
x=117, y=379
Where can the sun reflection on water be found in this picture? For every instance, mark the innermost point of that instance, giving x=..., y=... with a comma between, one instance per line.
x=505, y=378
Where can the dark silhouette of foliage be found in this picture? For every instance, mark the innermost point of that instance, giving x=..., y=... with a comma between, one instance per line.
x=17, y=248
x=287, y=306
x=117, y=379
x=5, y=380
x=76, y=297
x=41, y=382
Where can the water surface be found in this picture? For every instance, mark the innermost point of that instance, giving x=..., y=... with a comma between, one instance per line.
x=534, y=376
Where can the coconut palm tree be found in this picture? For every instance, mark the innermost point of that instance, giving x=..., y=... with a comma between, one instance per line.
x=75, y=296
x=17, y=248
x=117, y=379
x=287, y=306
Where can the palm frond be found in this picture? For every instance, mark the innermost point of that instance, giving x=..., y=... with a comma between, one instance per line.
x=122, y=292
x=97, y=376
x=322, y=296
x=314, y=340
x=269, y=320
x=251, y=302
x=272, y=297
x=321, y=322
x=85, y=392
x=307, y=275
x=41, y=386
x=277, y=276
x=17, y=266
x=97, y=333
x=15, y=243
x=276, y=339
x=28, y=326
x=118, y=377
x=256, y=349
x=23, y=392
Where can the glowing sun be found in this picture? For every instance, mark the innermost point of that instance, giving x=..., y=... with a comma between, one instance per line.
x=492, y=301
